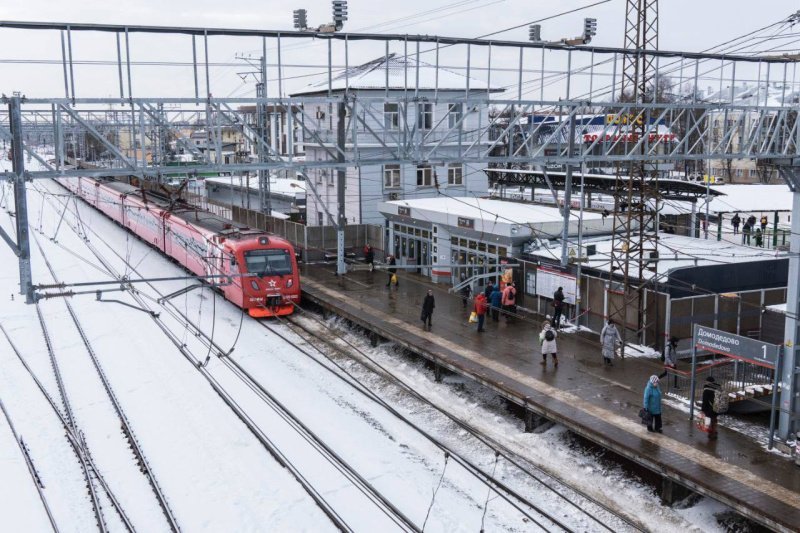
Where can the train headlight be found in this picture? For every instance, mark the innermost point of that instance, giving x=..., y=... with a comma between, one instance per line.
x=254, y=285
x=289, y=282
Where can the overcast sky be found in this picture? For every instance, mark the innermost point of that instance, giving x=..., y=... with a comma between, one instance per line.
x=684, y=25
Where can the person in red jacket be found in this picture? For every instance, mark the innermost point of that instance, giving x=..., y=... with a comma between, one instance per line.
x=509, y=301
x=480, y=309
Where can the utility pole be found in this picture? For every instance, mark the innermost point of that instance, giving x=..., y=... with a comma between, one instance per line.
x=23, y=245
x=341, y=175
x=261, y=117
x=789, y=402
x=568, y=192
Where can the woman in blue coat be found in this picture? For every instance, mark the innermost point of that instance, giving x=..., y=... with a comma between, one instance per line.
x=652, y=402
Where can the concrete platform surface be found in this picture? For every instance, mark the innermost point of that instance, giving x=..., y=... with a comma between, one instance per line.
x=597, y=402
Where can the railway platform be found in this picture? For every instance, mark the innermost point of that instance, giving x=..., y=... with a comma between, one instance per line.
x=598, y=403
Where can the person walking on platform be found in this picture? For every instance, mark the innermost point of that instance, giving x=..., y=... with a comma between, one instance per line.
x=496, y=300
x=746, y=233
x=509, y=301
x=735, y=221
x=652, y=403
x=707, y=406
x=480, y=309
x=369, y=256
x=670, y=358
x=764, y=223
x=759, y=238
x=392, y=272
x=558, y=307
x=466, y=292
x=609, y=338
x=547, y=339
x=428, y=305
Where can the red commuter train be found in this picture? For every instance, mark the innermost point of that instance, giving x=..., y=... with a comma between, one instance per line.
x=204, y=243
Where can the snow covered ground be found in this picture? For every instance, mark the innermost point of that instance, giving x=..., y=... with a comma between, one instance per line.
x=215, y=473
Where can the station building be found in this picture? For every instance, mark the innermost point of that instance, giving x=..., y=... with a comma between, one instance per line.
x=460, y=237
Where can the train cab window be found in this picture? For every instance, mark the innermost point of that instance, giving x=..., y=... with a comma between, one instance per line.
x=268, y=262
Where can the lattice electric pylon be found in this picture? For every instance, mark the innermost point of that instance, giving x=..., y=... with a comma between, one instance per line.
x=635, y=241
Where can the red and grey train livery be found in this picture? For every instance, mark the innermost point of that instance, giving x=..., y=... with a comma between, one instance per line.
x=204, y=243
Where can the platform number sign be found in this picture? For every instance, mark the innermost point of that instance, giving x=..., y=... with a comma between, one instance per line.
x=736, y=346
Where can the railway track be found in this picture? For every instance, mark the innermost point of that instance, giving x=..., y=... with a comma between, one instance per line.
x=125, y=425
x=511, y=495
x=74, y=436
x=590, y=508
x=351, y=475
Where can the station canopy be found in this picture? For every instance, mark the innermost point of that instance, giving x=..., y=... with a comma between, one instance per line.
x=669, y=189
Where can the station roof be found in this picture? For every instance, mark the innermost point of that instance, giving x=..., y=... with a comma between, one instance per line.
x=513, y=220
x=671, y=189
x=674, y=252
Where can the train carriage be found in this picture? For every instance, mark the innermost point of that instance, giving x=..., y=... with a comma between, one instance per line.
x=264, y=278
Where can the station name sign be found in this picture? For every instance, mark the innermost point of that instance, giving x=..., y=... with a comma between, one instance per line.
x=736, y=346
x=468, y=223
x=403, y=211
x=628, y=137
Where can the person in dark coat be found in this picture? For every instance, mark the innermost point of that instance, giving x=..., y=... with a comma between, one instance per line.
x=759, y=238
x=735, y=221
x=707, y=407
x=392, y=271
x=496, y=299
x=558, y=307
x=466, y=292
x=487, y=292
x=652, y=403
x=670, y=359
x=746, y=233
x=751, y=220
x=369, y=256
x=428, y=305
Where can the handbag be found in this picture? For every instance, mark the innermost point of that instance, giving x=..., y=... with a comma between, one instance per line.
x=645, y=415
x=473, y=317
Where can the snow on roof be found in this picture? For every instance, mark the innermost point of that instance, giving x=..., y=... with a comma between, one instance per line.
x=488, y=210
x=509, y=221
x=678, y=251
x=738, y=199
x=402, y=74
x=772, y=95
x=285, y=186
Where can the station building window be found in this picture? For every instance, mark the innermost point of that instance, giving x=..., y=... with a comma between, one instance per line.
x=455, y=175
x=424, y=176
x=391, y=176
x=424, y=116
x=391, y=116
x=454, y=114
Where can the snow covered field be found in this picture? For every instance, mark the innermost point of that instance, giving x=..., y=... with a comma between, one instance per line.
x=215, y=473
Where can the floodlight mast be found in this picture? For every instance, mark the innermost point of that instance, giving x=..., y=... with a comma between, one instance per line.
x=339, y=13
x=300, y=19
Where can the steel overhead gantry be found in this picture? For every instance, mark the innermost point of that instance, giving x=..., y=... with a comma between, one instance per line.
x=125, y=126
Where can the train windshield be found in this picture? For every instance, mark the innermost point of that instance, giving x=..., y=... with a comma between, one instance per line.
x=268, y=262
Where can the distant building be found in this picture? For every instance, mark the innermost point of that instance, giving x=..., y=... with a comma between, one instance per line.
x=721, y=122
x=433, y=112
